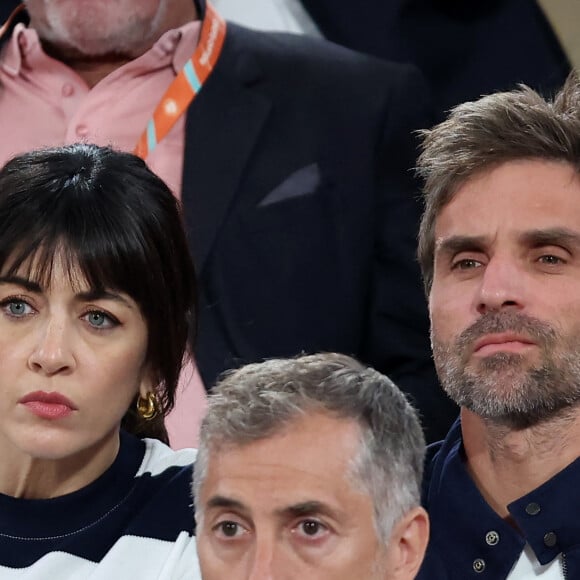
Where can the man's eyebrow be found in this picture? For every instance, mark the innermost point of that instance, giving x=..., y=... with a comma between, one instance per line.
x=24, y=282
x=455, y=244
x=296, y=510
x=220, y=501
x=306, y=508
x=551, y=237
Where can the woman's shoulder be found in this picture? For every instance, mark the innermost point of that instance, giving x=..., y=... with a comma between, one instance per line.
x=159, y=459
x=137, y=518
x=162, y=482
x=161, y=499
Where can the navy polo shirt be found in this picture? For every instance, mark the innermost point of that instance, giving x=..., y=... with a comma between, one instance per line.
x=470, y=540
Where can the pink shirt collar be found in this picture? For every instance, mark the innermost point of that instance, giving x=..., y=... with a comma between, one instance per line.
x=173, y=47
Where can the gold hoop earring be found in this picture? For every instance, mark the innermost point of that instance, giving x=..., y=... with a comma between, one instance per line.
x=147, y=406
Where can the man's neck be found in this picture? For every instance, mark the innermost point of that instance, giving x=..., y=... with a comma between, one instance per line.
x=507, y=464
x=95, y=68
x=92, y=70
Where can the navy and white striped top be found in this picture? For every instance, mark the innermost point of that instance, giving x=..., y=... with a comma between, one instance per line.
x=135, y=522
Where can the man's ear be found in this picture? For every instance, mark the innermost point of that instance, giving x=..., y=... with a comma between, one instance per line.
x=407, y=545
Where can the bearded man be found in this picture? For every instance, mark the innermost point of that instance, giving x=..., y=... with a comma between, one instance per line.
x=499, y=247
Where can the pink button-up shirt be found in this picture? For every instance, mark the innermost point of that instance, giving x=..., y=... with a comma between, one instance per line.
x=45, y=103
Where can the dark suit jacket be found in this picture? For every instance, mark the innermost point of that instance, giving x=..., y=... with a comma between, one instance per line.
x=299, y=204
x=464, y=48
x=6, y=8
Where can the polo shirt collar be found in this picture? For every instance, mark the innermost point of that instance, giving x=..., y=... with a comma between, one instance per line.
x=469, y=531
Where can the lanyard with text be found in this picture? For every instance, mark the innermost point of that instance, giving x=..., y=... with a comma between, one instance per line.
x=187, y=83
x=6, y=26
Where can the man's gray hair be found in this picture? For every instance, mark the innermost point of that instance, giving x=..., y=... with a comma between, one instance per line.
x=260, y=400
x=483, y=134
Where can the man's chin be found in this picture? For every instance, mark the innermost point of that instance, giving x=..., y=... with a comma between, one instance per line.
x=500, y=394
x=87, y=53
x=502, y=362
x=520, y=412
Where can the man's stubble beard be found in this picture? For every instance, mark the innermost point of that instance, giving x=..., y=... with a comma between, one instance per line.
x=509, y=388
x=86, y=31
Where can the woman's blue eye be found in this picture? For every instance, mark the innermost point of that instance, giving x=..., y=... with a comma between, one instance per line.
x=98, y=319
x=17, y=308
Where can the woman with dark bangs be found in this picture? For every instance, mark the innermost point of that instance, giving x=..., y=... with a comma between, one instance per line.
x=96, y=305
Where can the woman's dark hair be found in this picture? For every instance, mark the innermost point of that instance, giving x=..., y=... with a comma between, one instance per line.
x=105, y=213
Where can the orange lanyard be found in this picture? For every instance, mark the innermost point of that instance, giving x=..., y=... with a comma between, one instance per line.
x=4, y=28
x=187, y=83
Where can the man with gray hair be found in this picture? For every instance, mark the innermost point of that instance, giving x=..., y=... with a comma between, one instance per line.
x=500, y=251
x=309, y=468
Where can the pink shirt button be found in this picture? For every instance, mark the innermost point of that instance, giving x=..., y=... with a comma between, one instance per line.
x=67, y=90
x=82, y=131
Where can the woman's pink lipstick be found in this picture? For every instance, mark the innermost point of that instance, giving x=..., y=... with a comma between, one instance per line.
x=48, y=405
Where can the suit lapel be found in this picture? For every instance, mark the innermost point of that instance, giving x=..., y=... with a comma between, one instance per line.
x=222, y=126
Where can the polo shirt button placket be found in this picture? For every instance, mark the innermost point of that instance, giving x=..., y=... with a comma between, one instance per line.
x=82, y=130
x=533, y=509
x=550, y=539
x=68, y=90
x=492, y=538
x=478, y=565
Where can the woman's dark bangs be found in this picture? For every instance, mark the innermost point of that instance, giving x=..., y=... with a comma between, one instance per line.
x=27, y=250
x=89, y=256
